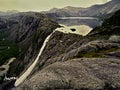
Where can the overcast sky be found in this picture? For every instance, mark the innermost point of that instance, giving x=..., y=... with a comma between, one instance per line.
x=40, y=5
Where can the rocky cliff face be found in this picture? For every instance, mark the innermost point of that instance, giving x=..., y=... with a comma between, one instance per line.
x=28, y=31
x=75, y=62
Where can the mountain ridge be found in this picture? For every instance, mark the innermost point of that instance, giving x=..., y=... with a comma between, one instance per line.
x=97, y=10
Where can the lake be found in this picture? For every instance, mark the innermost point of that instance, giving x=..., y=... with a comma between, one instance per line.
x=71, y=21
x=77, y=18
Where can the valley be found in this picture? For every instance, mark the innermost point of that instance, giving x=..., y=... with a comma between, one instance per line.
x=71, y=48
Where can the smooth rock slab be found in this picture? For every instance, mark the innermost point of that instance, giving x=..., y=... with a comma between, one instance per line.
x=82, y=73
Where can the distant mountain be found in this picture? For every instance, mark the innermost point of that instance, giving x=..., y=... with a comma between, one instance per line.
x=96, y=10
x=9, y=12
x=63, y=12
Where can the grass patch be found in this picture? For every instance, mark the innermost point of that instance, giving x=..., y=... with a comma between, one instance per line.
x=10, y=50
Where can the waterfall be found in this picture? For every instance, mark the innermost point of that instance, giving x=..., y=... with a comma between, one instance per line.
x=29, y=70
x=64, y=29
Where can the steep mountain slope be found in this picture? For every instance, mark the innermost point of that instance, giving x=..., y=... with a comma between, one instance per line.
x=76, y=62
x=28, y=32
x=96, y=10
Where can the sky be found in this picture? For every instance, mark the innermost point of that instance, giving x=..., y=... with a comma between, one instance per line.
x=43, y=5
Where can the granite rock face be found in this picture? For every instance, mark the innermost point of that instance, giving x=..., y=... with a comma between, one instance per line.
x=77, y=74
x=83, y=48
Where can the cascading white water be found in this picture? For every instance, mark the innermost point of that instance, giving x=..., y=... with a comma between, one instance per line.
x=29, y=70
x=64, y=29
